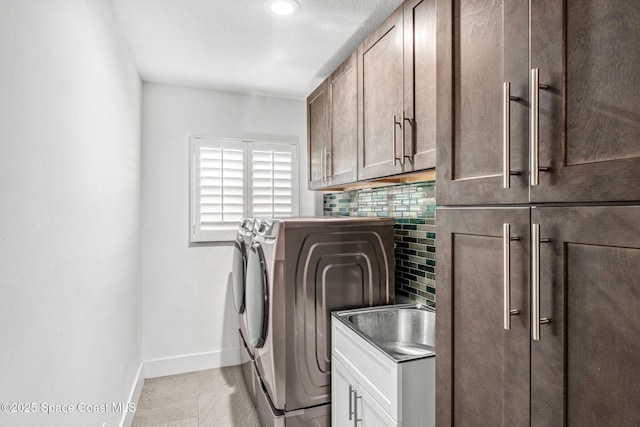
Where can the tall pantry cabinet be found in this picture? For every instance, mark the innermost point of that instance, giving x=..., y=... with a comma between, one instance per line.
x=539, y=240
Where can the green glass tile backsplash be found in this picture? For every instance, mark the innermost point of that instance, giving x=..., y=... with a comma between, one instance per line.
x=414, y=208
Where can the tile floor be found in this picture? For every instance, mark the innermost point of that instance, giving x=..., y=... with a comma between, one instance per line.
x=215, y=397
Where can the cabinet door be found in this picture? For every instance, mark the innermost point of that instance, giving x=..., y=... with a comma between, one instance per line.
x=588, y=54
x=380, y=63
x=481, y=45
x=318, y=133
x=420, y=84
x=586, y=365
x=482, y=369
x=342, y=156
x=369, y=413
x=342, y=387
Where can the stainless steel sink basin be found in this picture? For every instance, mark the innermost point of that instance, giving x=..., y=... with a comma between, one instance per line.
x=403, y=332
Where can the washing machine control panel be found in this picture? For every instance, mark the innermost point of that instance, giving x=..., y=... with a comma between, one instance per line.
x=266, y=227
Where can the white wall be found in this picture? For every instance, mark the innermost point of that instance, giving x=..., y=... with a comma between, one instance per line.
x=70, y=290
x=188, y=306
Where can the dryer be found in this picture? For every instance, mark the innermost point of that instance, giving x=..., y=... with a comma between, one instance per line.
x=241, y=246
x=298, y=271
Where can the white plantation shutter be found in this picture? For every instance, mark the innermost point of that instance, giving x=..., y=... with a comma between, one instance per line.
x=274, y=180
x=226, y=173
x=218, y=196
x=221, y=186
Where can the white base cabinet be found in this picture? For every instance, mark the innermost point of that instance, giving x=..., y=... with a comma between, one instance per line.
x=370, y=389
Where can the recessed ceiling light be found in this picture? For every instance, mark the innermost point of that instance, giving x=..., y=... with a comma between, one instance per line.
x=283, y=7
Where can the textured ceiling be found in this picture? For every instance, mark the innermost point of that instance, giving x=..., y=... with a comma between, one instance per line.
x=238, y=45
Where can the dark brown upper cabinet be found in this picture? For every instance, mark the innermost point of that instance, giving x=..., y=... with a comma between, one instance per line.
x=375, y=116
x=419, y=84
x=570, y=115
x=332, y=114
x=380, y=100
x=397, y=83
x=482, y=45
x=319, y=134
x=587, y=104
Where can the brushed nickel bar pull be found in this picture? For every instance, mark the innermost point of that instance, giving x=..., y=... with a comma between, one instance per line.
x=536, y=320
x=395, y=156
x=506, y=250
x=350, y=403
x=411, y=133
x=506, y=142
x=329, y=164
x=322, y=163
x=506, y=134
x=534, y=140
x=355, y=408
x=534, y=137
x=402, y=148
x=535, y=281
x=395, y=159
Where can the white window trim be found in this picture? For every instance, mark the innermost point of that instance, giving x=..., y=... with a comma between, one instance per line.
x=228, y=232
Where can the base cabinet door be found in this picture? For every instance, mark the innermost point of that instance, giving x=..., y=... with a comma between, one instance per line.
x=572, y=354
x=351, y=404
x=585, y=366
x=482, y=368
x=368, y=413
x=343, y=384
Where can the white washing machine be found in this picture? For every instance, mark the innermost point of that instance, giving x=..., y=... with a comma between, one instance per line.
x=298, y=272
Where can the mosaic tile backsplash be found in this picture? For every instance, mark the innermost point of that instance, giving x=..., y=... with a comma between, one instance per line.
x=414, y=208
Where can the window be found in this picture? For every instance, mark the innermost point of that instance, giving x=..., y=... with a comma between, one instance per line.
x=234, y=178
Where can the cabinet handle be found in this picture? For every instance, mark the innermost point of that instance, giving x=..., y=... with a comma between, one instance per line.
x=534, y=143
x=506, y=134
x=395, y=155
x=410, y=121
x=328, y=163
x=536, y=320
x=350, y=403
x=355, y=409
x=506, y=250
x=322, y=160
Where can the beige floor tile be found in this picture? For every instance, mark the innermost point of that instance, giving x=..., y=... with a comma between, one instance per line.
x=187, y=422
x=168, y=411
x=209, y=379
x=215, y=397
x=226, y=409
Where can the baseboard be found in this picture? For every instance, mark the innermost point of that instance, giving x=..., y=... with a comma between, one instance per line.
x=190, y=363
x=134, y=396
